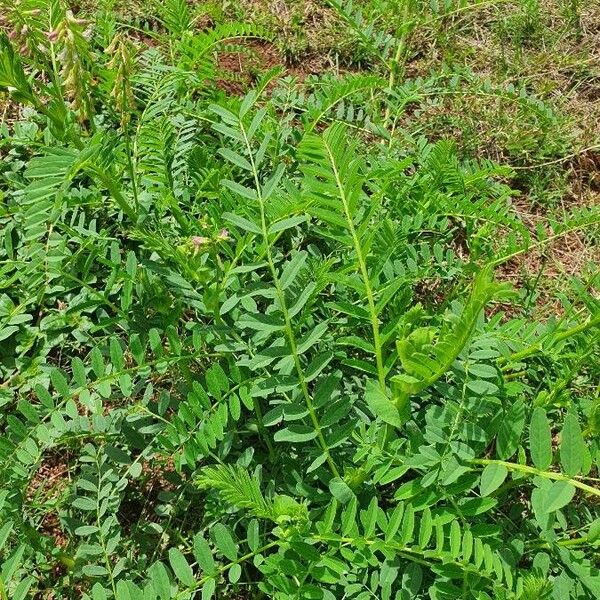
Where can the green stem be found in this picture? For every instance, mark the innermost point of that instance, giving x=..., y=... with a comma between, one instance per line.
x=504, y=259
x=588, y=489
x=377, y=342
x=393, y=67
x=130, y=167
x=538, y=346
x=77, y=391
x=580, y=541
x=286, y=316
x=114, y=191
x=226, y=567
x=107, y=560
x=262, y=431
x=411, y=554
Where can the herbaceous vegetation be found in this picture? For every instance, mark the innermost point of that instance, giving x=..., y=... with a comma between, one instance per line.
x=299, y=301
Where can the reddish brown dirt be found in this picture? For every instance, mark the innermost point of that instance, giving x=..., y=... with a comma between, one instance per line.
x=47, y=485
x=157, y=476
x=567, y=256
x=143, y=38
x=585, y=170
x=252, y=58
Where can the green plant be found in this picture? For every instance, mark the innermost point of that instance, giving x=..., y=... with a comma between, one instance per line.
x=523, y=27
x=256, y=345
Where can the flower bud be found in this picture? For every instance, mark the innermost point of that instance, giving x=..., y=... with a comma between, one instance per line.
x=199, y=240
